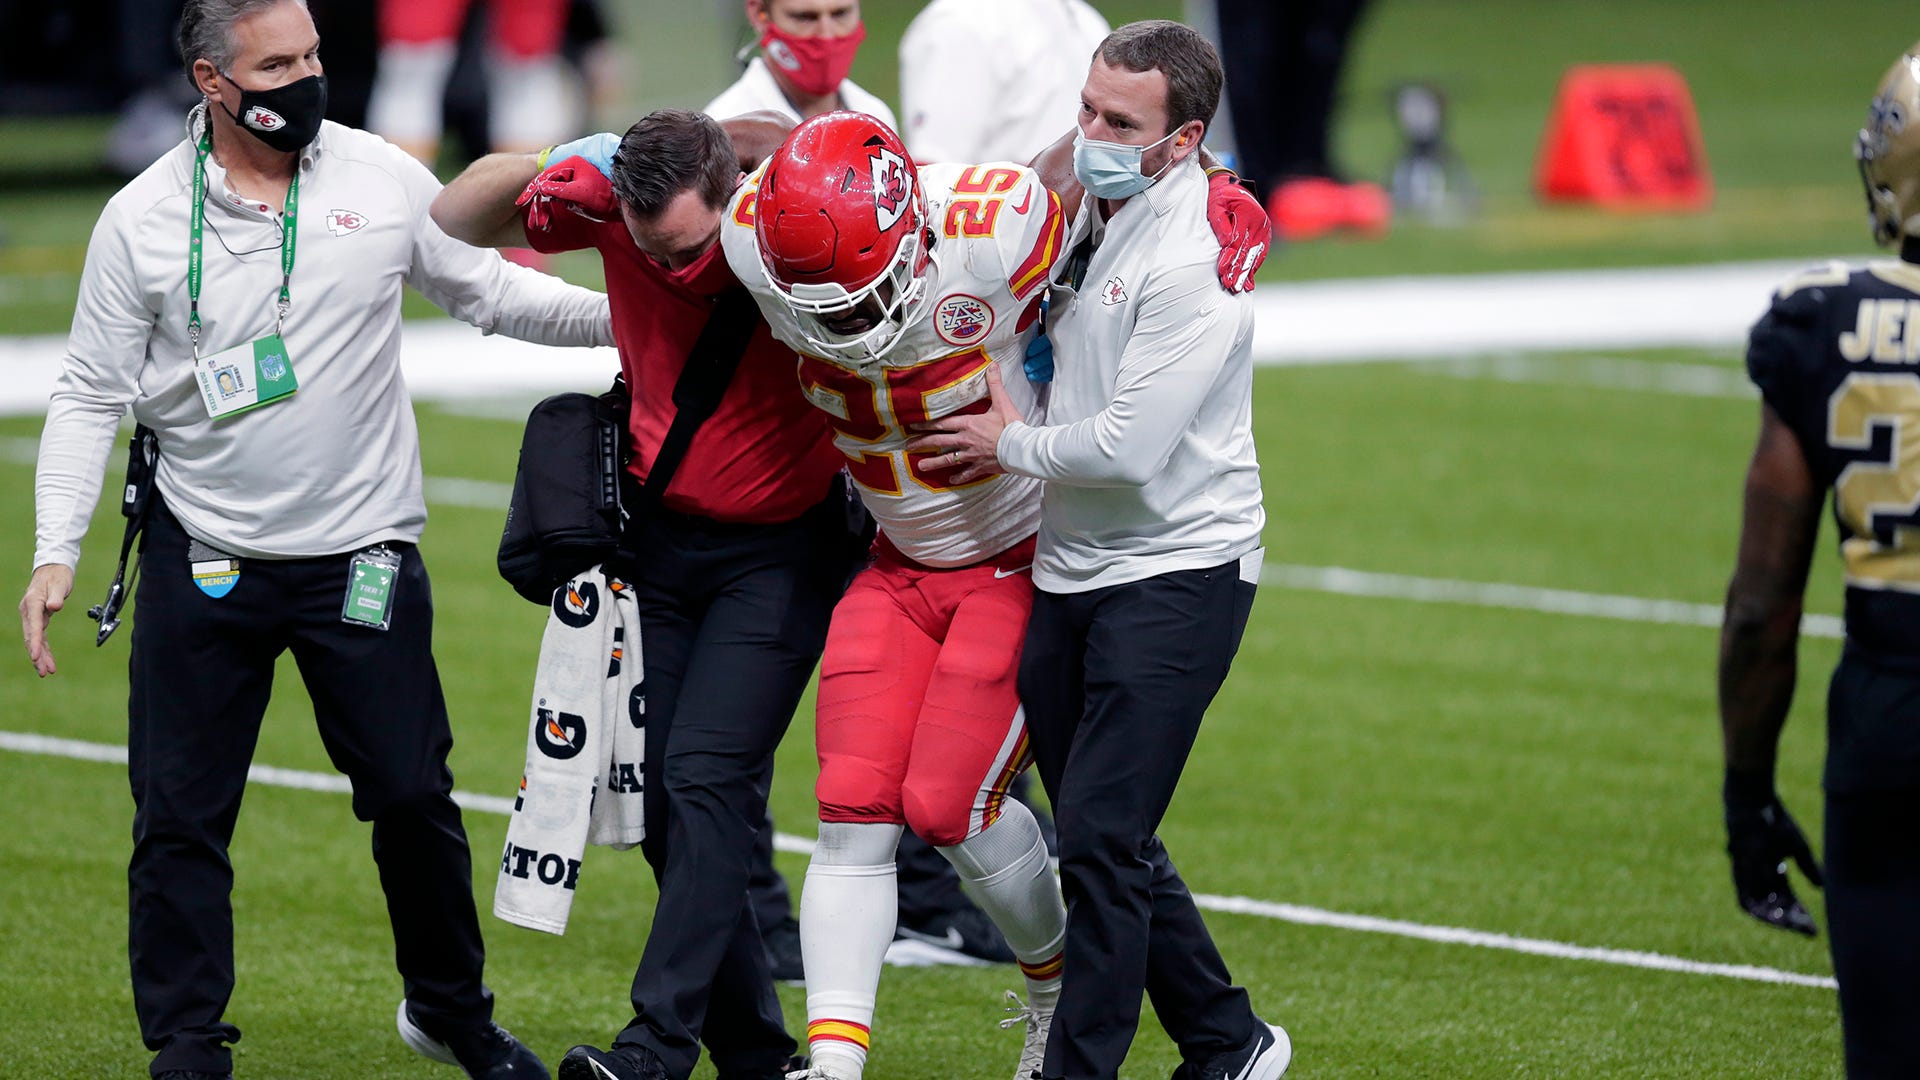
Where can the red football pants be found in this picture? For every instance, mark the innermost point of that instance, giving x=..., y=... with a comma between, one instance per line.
x=524, y=29
x=918, y=721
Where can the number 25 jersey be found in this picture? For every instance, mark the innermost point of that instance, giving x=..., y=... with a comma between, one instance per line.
x=997, y=232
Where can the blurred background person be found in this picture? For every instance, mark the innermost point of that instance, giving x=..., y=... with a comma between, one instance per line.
x=1283, y=61
x=806, y=49
x=994, y=80
x=532, y=98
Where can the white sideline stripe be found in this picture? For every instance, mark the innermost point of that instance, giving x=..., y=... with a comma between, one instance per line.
x=1317, y=322
x=1345, y=582
x=21, y=742
x=477, y=494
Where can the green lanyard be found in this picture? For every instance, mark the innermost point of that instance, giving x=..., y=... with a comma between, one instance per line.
x=194, y=254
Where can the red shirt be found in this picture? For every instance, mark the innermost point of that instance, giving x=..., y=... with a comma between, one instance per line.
x=766, y=454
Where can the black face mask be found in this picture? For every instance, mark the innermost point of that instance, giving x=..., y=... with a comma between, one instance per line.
x=285, y=117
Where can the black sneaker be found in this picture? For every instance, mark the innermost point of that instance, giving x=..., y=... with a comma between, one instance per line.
x=486, y=1053
x=1264, y=1056
x=184, y=1074
x=619, y=1063
x=795, y=1064
x=966, y=931
x=782, y=941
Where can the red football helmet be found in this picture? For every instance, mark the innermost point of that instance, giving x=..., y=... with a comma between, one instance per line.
x=841, y=226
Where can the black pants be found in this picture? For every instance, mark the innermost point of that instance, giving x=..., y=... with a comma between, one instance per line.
x=1873, y=864
x=1283, y=60
x=733, y=620
x=1115, y=682
x=201, y=671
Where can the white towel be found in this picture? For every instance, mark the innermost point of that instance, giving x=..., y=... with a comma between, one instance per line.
x=586, y=741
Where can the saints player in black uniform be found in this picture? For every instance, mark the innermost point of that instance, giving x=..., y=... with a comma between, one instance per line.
x=1837, y=361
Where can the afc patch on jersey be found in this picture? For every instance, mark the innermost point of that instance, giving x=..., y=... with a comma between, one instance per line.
x=962, y=320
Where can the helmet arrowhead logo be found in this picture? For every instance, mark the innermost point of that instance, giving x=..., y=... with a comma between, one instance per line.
x=892, y=188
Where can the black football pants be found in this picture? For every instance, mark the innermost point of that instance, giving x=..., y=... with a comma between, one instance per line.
x=1873, y=863
x=733, y=621
x=201, y=671
x=1115, y=682
x=1283, y=61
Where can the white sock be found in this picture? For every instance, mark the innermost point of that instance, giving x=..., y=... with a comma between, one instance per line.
x=405, y=102
x=1006, y=872
x=534, y=102
x=847, y=914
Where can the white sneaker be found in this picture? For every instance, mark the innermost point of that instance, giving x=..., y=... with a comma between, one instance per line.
x=1033, y=1053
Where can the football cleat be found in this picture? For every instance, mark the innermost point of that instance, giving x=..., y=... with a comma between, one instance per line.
x=841, y=225
x=1036, y=1021
x=1888, y=152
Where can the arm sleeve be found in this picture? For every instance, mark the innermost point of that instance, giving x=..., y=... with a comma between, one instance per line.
x=1786, y=342
x=943, y=70
x=477, y=286
x=1186, y=328
x=99, y=380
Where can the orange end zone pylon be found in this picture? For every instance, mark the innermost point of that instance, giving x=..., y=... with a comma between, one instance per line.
x=1624, y=136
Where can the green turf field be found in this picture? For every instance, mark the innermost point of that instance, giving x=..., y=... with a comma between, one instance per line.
x=1544, y=776
x=1551, y=777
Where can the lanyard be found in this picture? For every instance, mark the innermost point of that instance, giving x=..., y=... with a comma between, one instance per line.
x=194, y=248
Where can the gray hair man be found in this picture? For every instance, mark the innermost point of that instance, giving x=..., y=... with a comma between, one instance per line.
x=262, y=256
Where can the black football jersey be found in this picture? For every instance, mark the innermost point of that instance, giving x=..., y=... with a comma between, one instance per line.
x=1837, y=356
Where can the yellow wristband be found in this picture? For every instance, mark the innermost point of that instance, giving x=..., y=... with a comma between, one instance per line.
x=540, y=159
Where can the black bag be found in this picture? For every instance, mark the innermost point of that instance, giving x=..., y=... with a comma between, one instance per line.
x=566, y=515
x=565, y=511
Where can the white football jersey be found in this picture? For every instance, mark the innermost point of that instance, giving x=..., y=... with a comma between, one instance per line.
x=998, y=232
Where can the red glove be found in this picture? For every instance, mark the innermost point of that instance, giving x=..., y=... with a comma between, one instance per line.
x=1241, y=226
x=574, y=184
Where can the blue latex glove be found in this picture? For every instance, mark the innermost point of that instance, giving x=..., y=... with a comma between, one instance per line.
x=597, y=149
x=1039, y=362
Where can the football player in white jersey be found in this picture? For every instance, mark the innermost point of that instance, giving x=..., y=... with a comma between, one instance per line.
x=918, y=723
x=899, y=288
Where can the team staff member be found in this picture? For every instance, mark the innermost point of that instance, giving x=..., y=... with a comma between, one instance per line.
x=806, y=49
x=736, y=579
x=265, y=516
x=1840, y=399
x=994, y=80
x=1148, y=554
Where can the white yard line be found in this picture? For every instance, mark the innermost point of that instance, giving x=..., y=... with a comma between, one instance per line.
x=23, y=743
x=1345, y=582
x=1602, y=372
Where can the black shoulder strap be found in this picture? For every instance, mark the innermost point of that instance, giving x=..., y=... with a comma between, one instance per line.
x=703, y=382
x=143, y=452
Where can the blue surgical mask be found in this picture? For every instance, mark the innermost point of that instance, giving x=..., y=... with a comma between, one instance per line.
x=1111, y=170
